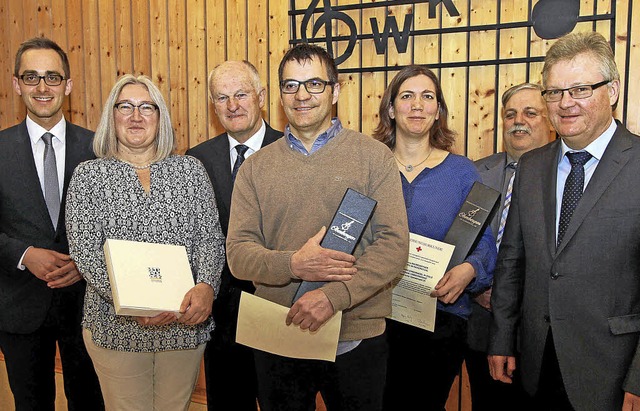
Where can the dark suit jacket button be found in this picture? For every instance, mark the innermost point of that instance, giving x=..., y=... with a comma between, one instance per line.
x=56, y=239
x=547, y=319
x=554, y=276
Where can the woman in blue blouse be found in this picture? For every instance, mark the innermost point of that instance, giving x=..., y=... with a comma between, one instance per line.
x=435, y=182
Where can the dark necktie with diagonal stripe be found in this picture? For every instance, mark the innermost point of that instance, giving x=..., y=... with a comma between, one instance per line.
x=241, y=149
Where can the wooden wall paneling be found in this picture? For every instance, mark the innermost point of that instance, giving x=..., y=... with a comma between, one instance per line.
x=6, y=70
x=41, y=13
x=633, y=73
x=93, y=75
x=426, y=48
x=178, y=78
x=124, y=37
x=482, y=88
x=622, y=39
x=197, y=93
x=508, y=75
x=374, y=83
x=258, y=45
x=107, y=51
x=76, y=54
x=30, y=18
x=159, y=58
x=141, y=39
x=17, y=32
x=237, y=30
x=217, y=46
x=350, y=101
x=453, y=49
x=55, y=26
x=279, y=31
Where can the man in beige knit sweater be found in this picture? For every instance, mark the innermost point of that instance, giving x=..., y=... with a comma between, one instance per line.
x=284, y=196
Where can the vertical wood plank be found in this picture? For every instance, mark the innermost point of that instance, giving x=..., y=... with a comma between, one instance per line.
x=6, y=69
x=106, y=42
x=349, y=104
x=178, y=95
x=633, y=114
x=620, y=48
x=159, y=58
x=124, y=38
x=257, y=47
x=197, y=72
x=93, y=78
x=237, y=30
x=42, y=14
x=278, y=45
x=53, y=25
x=373, y=84
x=216, y=54
x=76, y=54
x=17, y=33
x=141, y=37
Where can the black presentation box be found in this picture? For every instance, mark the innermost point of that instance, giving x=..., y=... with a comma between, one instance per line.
x=349, y=221
x=473, y=217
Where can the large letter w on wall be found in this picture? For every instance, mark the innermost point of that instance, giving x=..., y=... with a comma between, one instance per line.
x=390, y=24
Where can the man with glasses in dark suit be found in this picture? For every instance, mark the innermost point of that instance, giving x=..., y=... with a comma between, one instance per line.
x=568, y=273
x=41, y=290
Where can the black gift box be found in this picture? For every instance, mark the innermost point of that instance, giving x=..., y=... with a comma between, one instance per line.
x=473, y=217
x=349, y=221
x=346, y=228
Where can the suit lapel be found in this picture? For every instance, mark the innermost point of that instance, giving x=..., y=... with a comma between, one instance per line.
x=549, y=183
x=222, y=170
x=26, y=168
x=615, y=156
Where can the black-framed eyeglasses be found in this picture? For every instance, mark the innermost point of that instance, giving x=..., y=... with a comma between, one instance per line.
x=33, y=79
x=313, y=86
x=126, y=109
x=577, y=92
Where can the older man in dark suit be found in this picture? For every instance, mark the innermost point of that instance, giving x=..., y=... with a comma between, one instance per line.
x=238, y=98
x=525, y=127
x=41, y=291
x=568, y=272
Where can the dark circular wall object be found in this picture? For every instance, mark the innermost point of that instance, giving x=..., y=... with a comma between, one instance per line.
x=555, y=18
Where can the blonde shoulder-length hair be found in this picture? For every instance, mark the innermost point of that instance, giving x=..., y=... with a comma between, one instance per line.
x=105, y=143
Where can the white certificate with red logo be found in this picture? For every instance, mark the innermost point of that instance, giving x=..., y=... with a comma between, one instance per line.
x=411, y=303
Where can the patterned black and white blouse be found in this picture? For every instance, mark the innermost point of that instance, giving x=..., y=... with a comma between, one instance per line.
x=106, y=200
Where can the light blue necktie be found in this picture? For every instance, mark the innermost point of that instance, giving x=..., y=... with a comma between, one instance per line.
x=507, y=203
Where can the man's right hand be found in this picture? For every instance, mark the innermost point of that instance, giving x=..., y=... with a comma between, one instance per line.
x=41, y=261
x=502, y=367
x=313, y=262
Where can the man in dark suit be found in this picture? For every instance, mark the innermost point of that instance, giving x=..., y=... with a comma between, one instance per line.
x=238, y=98
x=525, y=127
x=568, y=272
x=41, y=291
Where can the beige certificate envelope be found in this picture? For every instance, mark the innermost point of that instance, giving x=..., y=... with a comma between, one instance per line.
x=147, y=278
x=261, y=325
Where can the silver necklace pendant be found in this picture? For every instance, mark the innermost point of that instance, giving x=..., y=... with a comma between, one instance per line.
x=409, y=168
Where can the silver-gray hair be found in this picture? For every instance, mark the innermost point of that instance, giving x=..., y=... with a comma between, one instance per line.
x=105, y=142
x=506, y=96
x=569, y=46
x=253, y=74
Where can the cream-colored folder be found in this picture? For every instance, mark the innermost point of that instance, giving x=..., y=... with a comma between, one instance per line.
x=147, y=278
